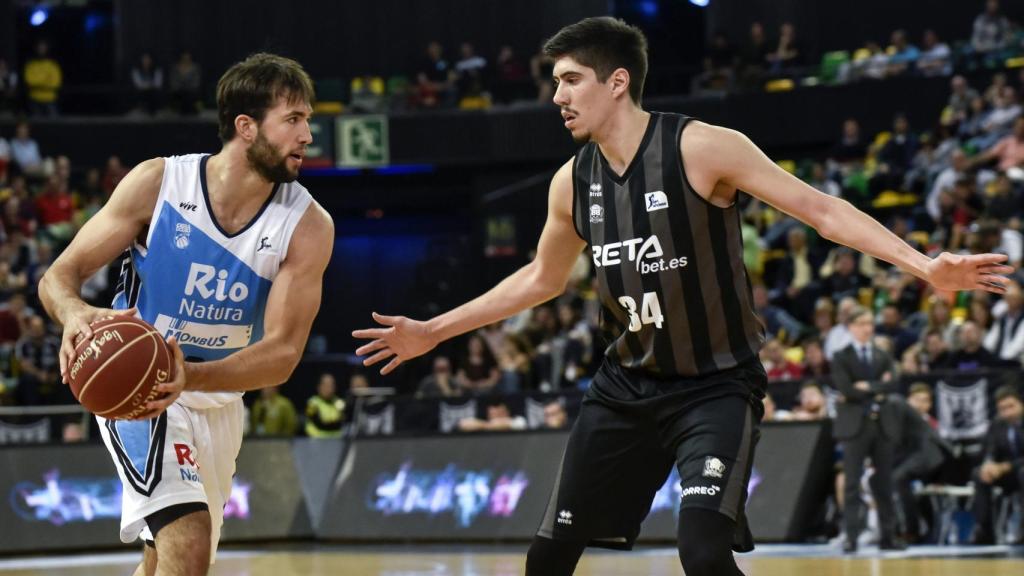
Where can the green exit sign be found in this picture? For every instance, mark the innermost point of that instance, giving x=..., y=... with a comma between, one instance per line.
x=362, y=141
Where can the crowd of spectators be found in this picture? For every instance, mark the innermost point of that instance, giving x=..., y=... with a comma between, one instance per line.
x=464, y=77
x=35, y=90
x=758, y=60
x=468, y=80
x=43, y=202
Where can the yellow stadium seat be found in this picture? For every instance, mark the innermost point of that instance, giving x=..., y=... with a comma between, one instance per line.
x=788, y=166
x=328, y=108
x=780, y=85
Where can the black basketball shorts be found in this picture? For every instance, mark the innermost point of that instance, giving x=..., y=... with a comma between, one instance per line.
x=629, y=434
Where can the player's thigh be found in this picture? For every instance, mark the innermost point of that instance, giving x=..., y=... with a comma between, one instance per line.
x=183, y=546
x=612, y=467
x=148, y=565
x=715, y=452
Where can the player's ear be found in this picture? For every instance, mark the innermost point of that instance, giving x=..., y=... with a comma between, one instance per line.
x=619, y=82
x=246, y=127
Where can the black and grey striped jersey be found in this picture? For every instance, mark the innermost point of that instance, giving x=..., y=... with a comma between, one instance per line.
x=676, y=299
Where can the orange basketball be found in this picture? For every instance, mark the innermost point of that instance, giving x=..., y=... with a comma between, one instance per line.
x=115, y=374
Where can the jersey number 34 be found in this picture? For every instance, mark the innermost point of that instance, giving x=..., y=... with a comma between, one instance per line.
x=650, y=311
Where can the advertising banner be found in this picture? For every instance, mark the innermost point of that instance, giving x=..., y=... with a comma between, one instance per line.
x=497, y=486
x=69, y=497
x=489, y=486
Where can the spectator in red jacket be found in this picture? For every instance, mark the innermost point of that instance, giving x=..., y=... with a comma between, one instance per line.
x=777, y=366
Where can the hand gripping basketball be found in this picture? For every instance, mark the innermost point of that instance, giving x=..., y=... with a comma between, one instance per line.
x=172, y=389
x=76, y=327
x=116, y=373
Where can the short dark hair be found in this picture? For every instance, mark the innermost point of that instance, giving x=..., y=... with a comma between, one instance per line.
x=919, y=388
x=252, y=86
x=604, y=44
x=1007, y=391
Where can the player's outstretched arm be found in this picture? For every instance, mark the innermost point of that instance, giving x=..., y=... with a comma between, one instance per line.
x=727, y=158
x=292, y=305
x=401, y=338
x=105, y=236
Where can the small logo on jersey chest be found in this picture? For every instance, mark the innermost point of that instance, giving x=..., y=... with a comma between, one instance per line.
x=596, y=214
x=595, y=189
x=181, y=234
x=264, y=244
x=656, y=200
x=565, y=517
x=187, y=206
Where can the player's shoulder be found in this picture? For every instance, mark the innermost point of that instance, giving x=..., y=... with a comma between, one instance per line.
x=150, y=171
x=294, y=194
x=186, y=159
x=710, y=142
x=136, y=194
x=316, y=224
x=564, y=174
x=702, y=131
x=142, y=182
x=149, y=174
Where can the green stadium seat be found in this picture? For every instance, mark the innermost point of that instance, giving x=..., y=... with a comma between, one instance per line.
x=831, y=64
x=398, y=85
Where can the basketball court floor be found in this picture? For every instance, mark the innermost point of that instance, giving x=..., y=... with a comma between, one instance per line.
x=768, y=560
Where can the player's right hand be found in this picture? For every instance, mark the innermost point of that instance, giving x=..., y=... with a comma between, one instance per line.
x=400, y=337
x=170, y=391
x=76, y=328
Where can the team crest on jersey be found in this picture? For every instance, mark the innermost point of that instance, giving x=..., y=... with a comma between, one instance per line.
x=181, y=234
x=596, y=214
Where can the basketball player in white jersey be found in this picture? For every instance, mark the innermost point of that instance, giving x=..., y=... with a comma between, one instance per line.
x=226, y=258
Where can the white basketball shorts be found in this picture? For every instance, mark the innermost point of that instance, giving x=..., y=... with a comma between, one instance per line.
x=183, y=456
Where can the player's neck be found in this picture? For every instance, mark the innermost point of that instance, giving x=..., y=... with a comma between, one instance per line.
x=621, y=136
x=232, y=183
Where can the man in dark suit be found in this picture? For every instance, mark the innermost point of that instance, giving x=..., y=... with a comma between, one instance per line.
x=867, y=424
x=1003, y=464
x=920, y=454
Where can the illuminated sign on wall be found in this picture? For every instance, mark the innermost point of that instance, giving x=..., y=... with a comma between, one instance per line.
x=462, y=492
x=60, y=501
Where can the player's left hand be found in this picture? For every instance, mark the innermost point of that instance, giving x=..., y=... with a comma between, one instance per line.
x=954, y=272
x=169, y=390
x=400, y=337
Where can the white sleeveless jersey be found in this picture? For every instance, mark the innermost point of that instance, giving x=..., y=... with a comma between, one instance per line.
x=194, y=281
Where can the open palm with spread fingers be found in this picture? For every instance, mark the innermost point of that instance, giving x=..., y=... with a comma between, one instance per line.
x=969, y=272
x=399, y=338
